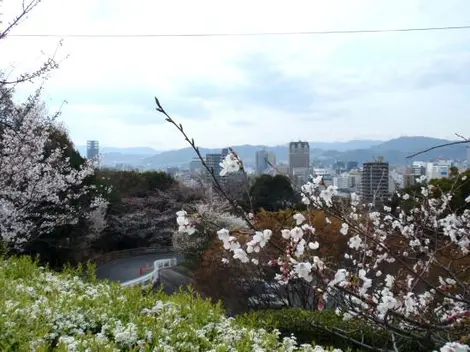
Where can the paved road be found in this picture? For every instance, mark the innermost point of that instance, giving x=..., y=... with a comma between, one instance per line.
x=128, y=268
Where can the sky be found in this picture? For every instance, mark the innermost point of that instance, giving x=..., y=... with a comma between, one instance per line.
x=248, y=90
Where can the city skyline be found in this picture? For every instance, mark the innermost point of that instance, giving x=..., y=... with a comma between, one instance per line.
x=285, y=144
x=257, y=90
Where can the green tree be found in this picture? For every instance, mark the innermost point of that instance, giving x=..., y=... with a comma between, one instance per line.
x=272, y=193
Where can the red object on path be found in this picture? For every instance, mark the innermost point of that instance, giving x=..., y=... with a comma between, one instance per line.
x=140, y=271
x=147, y=268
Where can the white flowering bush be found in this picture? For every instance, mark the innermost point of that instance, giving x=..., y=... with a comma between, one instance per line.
x=211, y=216
x=40, y=190
x=44, y=311
x=406, y=269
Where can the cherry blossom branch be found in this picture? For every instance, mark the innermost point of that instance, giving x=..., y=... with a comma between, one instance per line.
x=232, y=202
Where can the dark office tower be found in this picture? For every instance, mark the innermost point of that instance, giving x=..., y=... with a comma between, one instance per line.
x=375, y=182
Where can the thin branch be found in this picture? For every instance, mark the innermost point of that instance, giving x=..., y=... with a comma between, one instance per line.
x=439, y=146
x=232, y=202
x=26, y=8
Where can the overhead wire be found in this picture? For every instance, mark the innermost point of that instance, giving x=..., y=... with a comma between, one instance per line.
x=248, y=34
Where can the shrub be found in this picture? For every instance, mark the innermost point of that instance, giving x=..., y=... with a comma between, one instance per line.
x=44, y=311
x=299, y=323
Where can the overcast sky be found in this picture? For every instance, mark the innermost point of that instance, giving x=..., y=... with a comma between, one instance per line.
x=251, y=90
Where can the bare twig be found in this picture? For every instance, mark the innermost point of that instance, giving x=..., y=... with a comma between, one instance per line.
x=219, y=187
x=439, y=146
x=26, y=8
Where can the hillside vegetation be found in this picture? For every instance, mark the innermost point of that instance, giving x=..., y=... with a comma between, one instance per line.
x=44, y=311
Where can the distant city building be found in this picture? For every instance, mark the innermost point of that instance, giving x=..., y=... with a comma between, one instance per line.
x=213, y=162
x=408, y=180
x=272, y=158
x=261, y=161
x=299, y=161
x=375, y=182
x=355, y=180
x=125, y=167
x=92, y=149
x=172, y=171
x=225, y=152
x=195, y=166
x=326, y=174
x=438, y=169
x=342, y=182
x=352, y=165
x=185, y=178
x=282, y=169
x=339, y=167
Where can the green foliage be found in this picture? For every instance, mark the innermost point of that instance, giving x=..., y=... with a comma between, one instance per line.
x=457, y=185
x=299, y=322
x=272, y=193
x=132, y=184
x=45, y=311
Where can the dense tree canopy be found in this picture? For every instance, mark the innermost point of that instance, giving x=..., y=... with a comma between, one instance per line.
x=272, y=193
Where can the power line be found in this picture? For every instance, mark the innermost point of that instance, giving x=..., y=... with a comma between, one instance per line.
x=250, y=34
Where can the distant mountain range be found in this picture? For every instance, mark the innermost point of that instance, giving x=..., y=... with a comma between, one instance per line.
x=125, y=151
x=394, y=151
x=113, y=155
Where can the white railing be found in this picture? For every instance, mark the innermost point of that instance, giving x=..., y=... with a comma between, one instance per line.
x=152, y=276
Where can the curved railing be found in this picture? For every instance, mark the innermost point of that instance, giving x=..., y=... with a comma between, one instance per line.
x=127, y=253
x=152, y=276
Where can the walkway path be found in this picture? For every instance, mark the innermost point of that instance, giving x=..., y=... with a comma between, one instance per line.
x=126, y=269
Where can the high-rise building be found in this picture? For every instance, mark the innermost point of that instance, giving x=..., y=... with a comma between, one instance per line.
x=92, y=149
x=272, y=158
x=375, y=182
x=195, y=165
x=213, y=162
x=225, y=152
x=261, y=161
x=299, y=161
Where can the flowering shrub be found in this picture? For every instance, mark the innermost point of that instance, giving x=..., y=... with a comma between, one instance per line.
x=212, y=215
x=39, y=188
x=406, y=269
x=43, y=311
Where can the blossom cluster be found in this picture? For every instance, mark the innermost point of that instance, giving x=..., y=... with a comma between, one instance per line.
x=184, y=223
x=38, y=186
x=79, y=315
x=230, y=164
x=393, y=257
